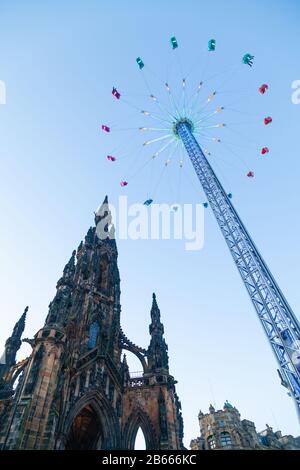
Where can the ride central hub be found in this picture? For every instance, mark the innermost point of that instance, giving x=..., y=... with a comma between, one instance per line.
x=180, y=122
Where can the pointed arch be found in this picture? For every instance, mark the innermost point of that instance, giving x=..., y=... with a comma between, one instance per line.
x=139, y=419
x=139, y=352
x=86, y=431
x=95, y=408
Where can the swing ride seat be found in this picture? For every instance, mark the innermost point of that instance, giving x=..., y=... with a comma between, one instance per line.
x=263, y=88
x=268, y=120
x=211, y=45
x=115, y=93
x=248, y=59
x=174, y=42
x=148, y=202
x=140, y=63
x=264, y=150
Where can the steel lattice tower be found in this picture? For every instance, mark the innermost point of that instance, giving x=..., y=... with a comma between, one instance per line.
x=276, y=316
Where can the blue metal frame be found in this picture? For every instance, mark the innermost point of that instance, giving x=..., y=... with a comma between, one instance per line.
x=277, y=318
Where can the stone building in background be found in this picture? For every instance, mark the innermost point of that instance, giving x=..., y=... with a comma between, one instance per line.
x=75, y=391
x=224, y=429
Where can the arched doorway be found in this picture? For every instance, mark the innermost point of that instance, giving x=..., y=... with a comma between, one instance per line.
x=93, y=422
x=85, y=432
x=139, y=425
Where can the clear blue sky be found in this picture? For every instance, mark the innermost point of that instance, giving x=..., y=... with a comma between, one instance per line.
x=59, y=61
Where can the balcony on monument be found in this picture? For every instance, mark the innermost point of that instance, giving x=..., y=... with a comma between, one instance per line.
x=136, y=379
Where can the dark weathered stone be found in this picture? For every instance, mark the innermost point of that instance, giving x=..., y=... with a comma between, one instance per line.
x=76, y=392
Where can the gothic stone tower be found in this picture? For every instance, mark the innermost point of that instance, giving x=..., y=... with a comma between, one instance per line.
x=75, y=390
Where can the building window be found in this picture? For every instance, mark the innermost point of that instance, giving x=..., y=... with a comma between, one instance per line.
x=221, y=423
x=225, y=439
x=93, y=335
x=211, y=442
